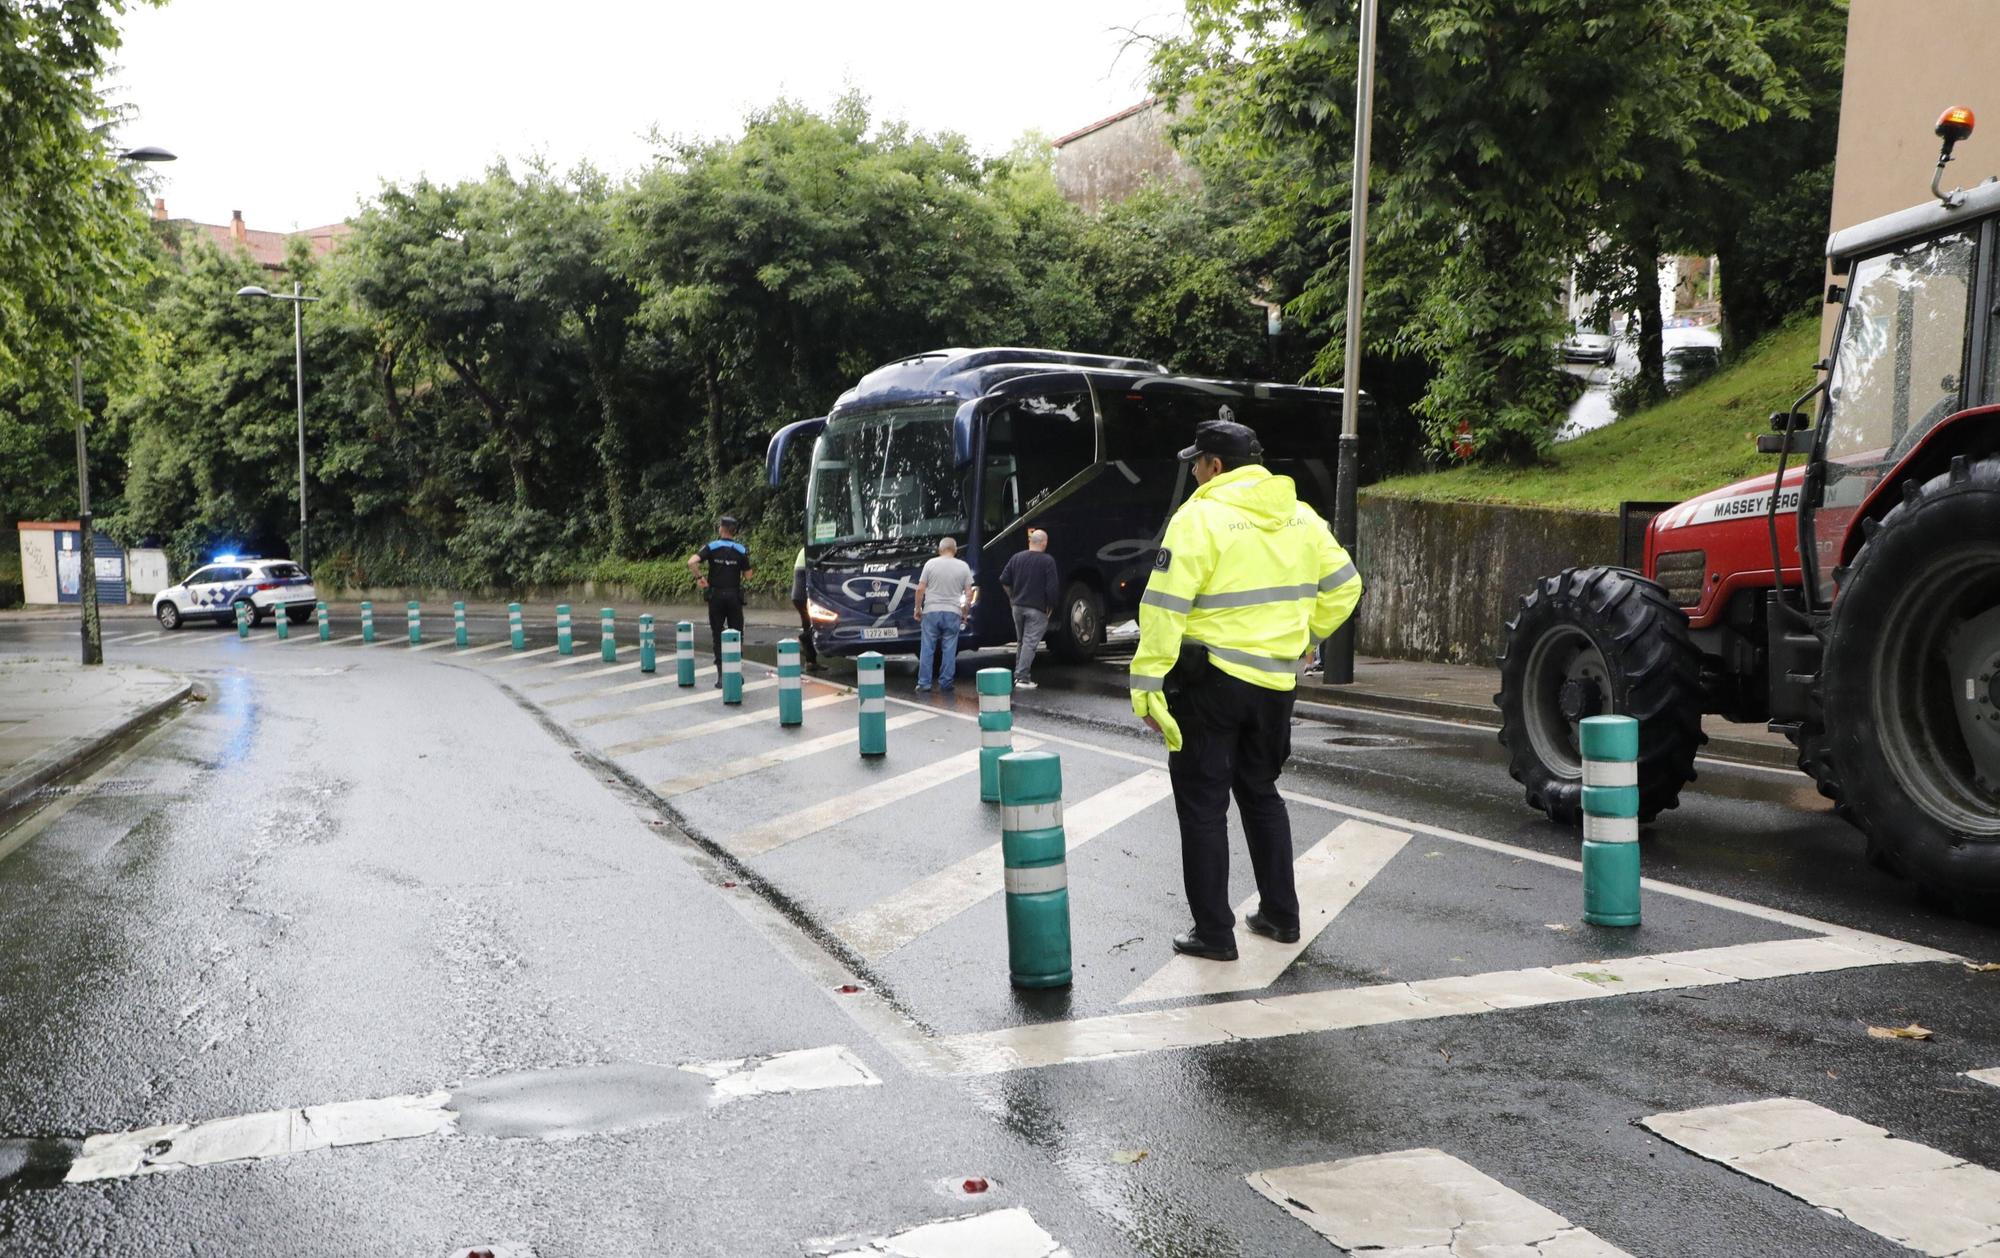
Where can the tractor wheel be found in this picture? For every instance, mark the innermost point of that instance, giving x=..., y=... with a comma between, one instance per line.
x=1592, y=642
x=1911, y=686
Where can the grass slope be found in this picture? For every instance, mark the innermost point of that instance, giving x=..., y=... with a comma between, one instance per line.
x=1686, y=445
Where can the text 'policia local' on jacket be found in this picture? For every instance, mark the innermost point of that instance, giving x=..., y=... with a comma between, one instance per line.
x=1251, y=573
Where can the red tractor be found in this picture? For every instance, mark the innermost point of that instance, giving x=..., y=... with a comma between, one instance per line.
x=1852, y=602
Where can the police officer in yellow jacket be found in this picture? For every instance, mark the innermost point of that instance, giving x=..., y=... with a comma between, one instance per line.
x=1247, y=581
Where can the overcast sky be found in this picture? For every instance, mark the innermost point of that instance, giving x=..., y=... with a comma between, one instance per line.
x=294, y=112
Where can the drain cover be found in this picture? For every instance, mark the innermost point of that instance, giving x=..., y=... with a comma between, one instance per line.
x=1368, y=742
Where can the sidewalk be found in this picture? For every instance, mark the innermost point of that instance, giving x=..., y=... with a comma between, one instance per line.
x=1458, y=692
x=54, y=714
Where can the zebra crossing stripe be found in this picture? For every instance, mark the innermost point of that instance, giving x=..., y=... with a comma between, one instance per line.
x=480, y=650
x=1914, y=1195
x=666, y=705
x=588, y=695
x=1422, y=1202
x=750, y=764
x=797, y=825
x=518, y=656
x=1329, y=876
x=706, y=728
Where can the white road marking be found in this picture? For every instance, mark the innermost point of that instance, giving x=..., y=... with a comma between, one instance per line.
x=1153, y=1030
x=133, y=637
x=702, y=694
x=571, y=661
x=1011, y=1233
x=352, y=637
x=751, y=764
x=930, y=902
x=275, y=1133
x=1910, y=1193
x=282, y=1133
x=814, y=818
x=806, y=1070
x=1989, y=1075
x=662, y=678
x=756, y=716
x=1423, y=1203
x=481, y=650
x=627, y=669
x=432, y=645
x=518, y=656
x=1329, y=876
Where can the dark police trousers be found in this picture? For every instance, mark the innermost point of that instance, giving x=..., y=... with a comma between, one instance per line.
x=1235, y=739
x=725, y=611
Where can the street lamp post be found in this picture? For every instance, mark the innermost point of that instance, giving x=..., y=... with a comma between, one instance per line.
x=92, y=628
x=1338, y=660
x=298, y=299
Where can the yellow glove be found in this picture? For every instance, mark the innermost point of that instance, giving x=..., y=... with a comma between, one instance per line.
x=1151, y=703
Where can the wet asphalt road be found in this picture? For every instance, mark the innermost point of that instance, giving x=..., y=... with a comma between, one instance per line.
x=355, y=873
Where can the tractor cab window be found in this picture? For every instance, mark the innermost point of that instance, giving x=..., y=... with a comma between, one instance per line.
x=1897, y=372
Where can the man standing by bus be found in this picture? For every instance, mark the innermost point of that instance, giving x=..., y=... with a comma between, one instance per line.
x=1030, y=580
x=728, y=563
x=1246, y=581
x=942, y=589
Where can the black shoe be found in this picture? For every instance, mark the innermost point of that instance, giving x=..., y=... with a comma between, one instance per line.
x=718, y=683
x=1193, y=945
x=1261, y=925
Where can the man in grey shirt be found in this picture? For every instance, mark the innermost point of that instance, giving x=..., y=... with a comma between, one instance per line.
x=1030, y=580
x=942, y=591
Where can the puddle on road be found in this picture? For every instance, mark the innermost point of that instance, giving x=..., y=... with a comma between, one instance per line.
x=1369, y=742
x=35, y=1163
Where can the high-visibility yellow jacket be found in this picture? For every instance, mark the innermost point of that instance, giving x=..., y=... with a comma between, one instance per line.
x=1251, y=573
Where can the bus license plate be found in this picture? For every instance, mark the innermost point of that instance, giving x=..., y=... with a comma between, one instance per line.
x=886, y=631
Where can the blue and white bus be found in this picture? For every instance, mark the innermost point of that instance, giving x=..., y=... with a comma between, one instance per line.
x=980, y=444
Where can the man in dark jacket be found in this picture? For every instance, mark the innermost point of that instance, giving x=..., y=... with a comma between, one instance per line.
x=1031, y=582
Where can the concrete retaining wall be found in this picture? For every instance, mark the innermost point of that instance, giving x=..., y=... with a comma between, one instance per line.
x=1444, y=577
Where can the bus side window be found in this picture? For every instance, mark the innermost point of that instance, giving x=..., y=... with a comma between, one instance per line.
x=1032, y=447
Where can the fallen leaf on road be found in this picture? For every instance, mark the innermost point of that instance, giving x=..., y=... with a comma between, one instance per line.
x=1556, y=925
x=1983, y=967
x=1910, y=1032
x=1128, y=1156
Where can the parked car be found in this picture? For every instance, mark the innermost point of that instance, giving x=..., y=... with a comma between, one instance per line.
x=266, y=586
x=1590, y=347
x=1686, y=365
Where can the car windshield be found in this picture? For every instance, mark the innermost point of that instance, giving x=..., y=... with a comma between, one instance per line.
x=886, y=475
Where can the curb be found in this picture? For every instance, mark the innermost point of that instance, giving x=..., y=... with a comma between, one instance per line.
x=1719, y=747
x=15, y=792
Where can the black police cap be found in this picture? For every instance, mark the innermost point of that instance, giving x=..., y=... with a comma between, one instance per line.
x=1226, y=439
x=728, y=522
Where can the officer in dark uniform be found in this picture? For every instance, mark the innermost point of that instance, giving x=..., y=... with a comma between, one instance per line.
x=728, y=563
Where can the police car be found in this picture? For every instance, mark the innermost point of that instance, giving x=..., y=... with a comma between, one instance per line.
x=266, y=586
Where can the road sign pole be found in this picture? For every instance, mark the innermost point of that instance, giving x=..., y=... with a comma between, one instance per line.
x=872, y=686
x=791, y=684
x=1610, y=746
x=996, y=727
x=1035, y=853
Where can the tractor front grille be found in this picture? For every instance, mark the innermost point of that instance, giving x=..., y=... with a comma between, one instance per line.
x=1681, y=572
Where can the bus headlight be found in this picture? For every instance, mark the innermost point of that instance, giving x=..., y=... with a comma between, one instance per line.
x=820, y=614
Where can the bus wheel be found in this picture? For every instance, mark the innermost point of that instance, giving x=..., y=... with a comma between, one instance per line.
x=1078, y=630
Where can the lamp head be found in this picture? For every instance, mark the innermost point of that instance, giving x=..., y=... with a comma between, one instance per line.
x=251, y=290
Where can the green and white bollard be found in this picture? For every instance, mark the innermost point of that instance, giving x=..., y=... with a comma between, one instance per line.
x=732, y=666
x=414, y=611
x=565, y=644
x=517, y=637
x=1610, y=747
x=996, y=727
x=283, y=621
x=607, y=635
x=243, y=620
x=791, y=684
x=684, y=653
x=458, y=634
x=367, y=622
x=1035, y=852
x=872, y=685
x=645, y=642
x=325, y=623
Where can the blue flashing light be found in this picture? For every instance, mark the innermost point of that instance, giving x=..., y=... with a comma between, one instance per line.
x=225, y=559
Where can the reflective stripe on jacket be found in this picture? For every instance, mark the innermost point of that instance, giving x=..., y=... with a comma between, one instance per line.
x=1251, y=573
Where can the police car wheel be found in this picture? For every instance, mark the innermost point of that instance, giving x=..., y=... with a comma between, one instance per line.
x=299, y=615
x=168, y=615
x=256, y=615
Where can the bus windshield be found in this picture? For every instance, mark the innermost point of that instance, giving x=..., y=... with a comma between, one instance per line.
x=886, y=474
